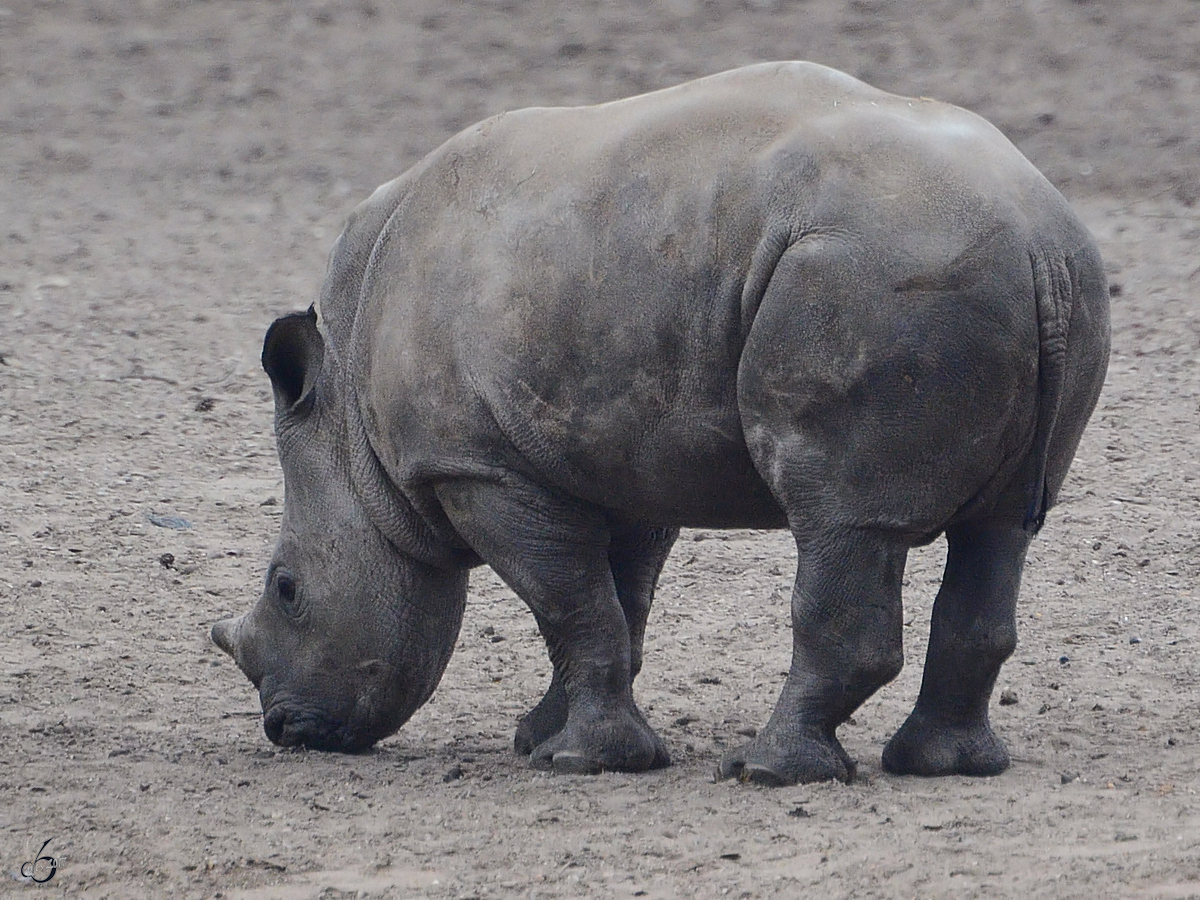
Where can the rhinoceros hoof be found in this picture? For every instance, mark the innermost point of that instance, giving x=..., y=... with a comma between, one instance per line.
x=529, y=736
x=777, y=763
x=541, y=723
x=567, y=762
x=628, y=747
x=923, y=747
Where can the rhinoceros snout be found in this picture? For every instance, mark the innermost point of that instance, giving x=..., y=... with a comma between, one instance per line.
x=312, y=730
x=224, y=635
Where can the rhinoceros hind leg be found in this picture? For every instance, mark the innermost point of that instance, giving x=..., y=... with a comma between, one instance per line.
x=973, y=632
x=926, y=747
x=846, y=644
x=554, y=553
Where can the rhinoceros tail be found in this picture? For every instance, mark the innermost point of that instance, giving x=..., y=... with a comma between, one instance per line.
x=1056, y=288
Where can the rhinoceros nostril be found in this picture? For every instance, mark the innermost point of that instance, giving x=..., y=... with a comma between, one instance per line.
x=273, y=722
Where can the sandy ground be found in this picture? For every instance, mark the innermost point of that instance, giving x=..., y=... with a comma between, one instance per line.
x=172, y=175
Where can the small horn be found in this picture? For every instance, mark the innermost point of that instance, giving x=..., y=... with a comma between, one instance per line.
x=225, y=633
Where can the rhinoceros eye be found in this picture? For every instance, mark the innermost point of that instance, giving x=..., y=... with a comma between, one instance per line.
x=285, y=588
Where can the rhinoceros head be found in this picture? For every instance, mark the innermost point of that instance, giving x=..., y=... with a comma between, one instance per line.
x=351, y=634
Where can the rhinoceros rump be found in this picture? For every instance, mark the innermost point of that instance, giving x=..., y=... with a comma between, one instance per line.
x=774, y=297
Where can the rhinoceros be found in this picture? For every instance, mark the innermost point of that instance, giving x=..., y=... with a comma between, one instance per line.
x=770, y=298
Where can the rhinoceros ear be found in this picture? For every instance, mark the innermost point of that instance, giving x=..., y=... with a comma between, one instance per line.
x=292, y=354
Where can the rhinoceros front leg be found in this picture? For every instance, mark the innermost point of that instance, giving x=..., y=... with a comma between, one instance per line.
x=973, y=632
x=636, y=556
x=554, y=553
x=846, y=644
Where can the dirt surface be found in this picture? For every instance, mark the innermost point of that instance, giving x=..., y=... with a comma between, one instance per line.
x=172, y=175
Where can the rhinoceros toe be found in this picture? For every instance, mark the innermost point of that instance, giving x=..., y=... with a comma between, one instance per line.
x=614, y=743
x=779, y=761
x=568, y=762
x=925, y=747
x=542, y=722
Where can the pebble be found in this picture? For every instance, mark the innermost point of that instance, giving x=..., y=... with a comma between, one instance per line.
x=173, y=522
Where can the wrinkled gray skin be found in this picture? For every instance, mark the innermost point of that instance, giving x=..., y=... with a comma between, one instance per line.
x=771, y=298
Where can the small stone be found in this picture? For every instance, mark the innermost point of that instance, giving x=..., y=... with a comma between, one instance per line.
x=455, y=773
x=1008, y=698
x=166, y=560
x=1134, y=639
x=176, y=523
x=1068, y=777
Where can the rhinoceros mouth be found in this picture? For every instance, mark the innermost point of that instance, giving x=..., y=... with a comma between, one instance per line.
x=288, y=726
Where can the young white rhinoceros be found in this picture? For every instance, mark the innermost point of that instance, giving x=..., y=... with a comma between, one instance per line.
x=770, y=298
